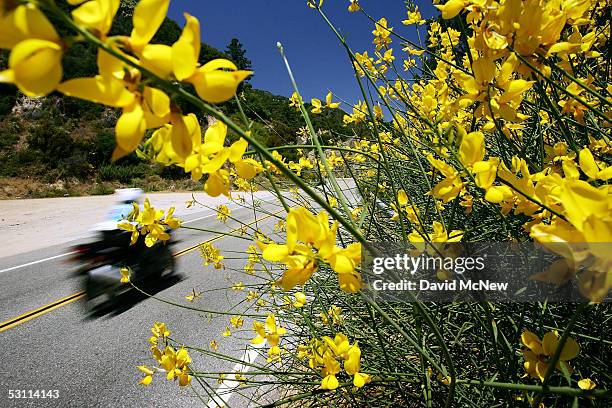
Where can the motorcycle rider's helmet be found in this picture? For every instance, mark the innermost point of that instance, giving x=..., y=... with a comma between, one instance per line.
x=122, y=208
x=129, y=195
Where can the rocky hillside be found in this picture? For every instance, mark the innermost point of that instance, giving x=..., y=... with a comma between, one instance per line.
x=62, y=146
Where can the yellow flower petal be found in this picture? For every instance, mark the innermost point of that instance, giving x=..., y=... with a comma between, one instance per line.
x=146, y=370
x=451, y=8
x=360, y=379
x=96, y=14
x=157, y=101
x=549, y=343
x=217, y=184
x=329, y=383
x=105, y=90
x=472, y=149
x=402, y=197
x=181, y=139
x=148, y=16
x=130, y=128
x=125, y=276
x=237, y=149
x=275, y=252
x=248, y=168
x=157, y=58
x=27, y=21
x=540, y=370
x=109, y=65
x=214, y=83
x=350, y=282
x=215, y=134
x=146, y=380
x=217, y=162
x=36, y=66
x=580, y=200
x=587, y=163
x=570, y=350
x=586, y=384
x=186, y=51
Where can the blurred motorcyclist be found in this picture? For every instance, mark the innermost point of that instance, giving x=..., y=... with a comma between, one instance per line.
x=111, y=250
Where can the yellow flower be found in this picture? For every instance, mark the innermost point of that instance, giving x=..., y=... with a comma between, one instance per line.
x=148, y=17
x=236, y=321
x=159, y=330
x=193, y=296
x=23, y=22
x=414, y=17
x=361, y=379
x=274, y=354
x=330, y=382
x=217, y=80
x=451, y=186
x=96, y=15
x=211, y=255
x=402, y=197
x=537, y=352
x=353, y=6
x=150, y=223
x=304, y=231
x=334, y=313
x=382, y=33
x=328, y=101
x=472, y=149
x=313, y=4
x=186, y=51
x=268, y=332
x=316, y=105
x=451, y=8
x=223, y=213
x=176, y=364
x=35, y=67
x=295, y=100
x=300, y=300
x=148, y=375
x=586, y=384
x=116, y=86
x=439, y=234
x=467, y=202
x=591, y=168
x=125, y=275
x=326, y=352
x=34, y=64
x=238, y=286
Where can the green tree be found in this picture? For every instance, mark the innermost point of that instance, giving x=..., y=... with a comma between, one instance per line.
x=237, y=54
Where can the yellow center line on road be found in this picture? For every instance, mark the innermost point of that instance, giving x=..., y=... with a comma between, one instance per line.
x=16, y=321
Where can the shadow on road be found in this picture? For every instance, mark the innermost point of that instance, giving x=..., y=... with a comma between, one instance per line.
x=125, y=301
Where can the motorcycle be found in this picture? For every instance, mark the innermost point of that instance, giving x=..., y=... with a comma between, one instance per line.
x=101, y=260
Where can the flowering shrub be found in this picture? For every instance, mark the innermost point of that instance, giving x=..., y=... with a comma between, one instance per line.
x=493, y=128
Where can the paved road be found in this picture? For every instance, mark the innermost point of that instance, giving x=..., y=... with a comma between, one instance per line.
x=92, y=363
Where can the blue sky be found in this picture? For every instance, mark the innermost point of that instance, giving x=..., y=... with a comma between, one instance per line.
x=318, y=61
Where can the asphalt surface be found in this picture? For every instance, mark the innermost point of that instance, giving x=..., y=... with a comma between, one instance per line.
x=91, y=362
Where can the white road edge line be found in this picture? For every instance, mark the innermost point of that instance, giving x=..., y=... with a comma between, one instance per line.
x=37, y=262
x=74, y=252
x=225, y=391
